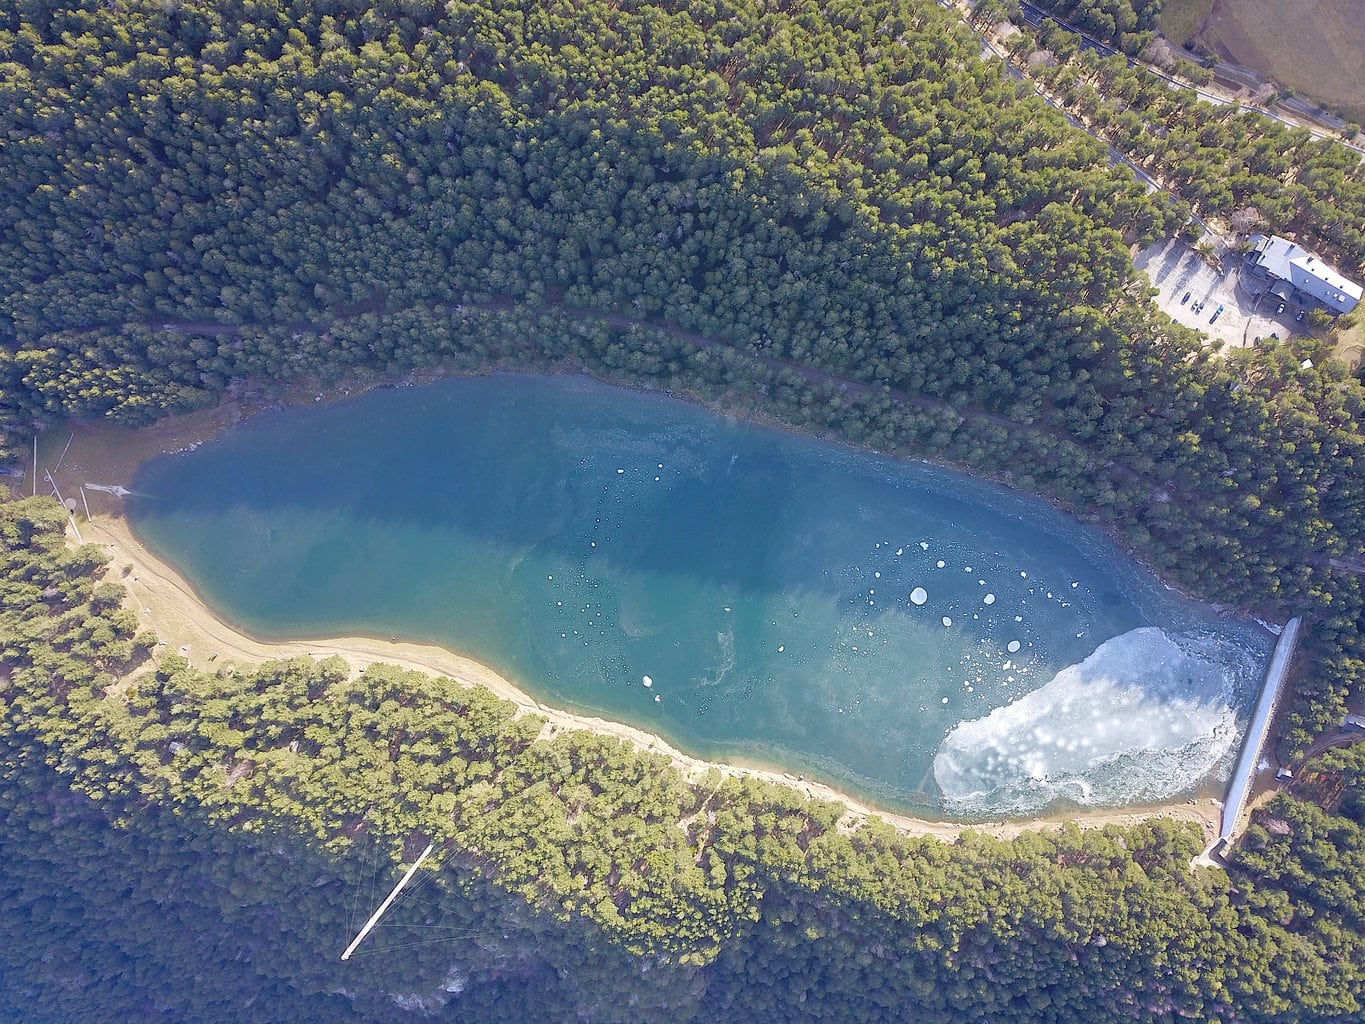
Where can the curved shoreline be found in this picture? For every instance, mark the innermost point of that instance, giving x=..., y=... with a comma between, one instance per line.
x=168, y=603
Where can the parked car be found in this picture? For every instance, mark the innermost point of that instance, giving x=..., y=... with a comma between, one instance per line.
x=1185, y=299
x=1216, y=314
x=1279, y=309
x=1298, y=317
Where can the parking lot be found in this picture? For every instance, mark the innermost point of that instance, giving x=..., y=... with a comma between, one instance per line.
x=1190, y=291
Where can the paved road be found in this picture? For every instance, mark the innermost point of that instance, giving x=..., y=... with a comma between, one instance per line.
x=1115, y=155
x=1245, y=78
x=1035, y=16
x=1239, y=76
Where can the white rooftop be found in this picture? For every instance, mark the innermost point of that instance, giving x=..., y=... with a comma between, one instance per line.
x=1290, y=262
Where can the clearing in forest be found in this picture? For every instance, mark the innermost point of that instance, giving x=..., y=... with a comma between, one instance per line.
x=1314, y=47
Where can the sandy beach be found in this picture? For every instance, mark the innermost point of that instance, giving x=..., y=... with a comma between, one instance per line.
x=168, y=604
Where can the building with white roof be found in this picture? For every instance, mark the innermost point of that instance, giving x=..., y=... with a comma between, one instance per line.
x=1296, y=275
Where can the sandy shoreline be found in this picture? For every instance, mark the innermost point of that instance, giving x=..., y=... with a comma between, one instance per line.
x=167, y=603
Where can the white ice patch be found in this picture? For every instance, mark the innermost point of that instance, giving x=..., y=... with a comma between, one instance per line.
x=919, y=595
x=1143, y=718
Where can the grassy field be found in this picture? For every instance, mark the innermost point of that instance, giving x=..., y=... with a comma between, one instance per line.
x=1350, y=347
x=1315, y=47
x=1180, y=19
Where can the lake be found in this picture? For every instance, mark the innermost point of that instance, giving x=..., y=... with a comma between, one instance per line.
x=910, y=634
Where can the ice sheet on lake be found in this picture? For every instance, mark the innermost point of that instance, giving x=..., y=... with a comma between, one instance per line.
x=1143, y=718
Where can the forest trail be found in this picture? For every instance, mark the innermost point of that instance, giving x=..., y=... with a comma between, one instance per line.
x=624, y=323
x=1159, y=490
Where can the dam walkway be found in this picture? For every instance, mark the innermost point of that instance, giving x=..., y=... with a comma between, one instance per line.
x=1239, y=789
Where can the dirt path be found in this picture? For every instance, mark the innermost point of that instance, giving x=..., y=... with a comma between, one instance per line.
x=1342, y=737
x=625, y=323
x=702, y=341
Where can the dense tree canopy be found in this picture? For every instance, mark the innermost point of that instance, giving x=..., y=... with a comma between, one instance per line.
x=835, y=211
x=1234, y=164
x=1128, y=24
x=843, y=188
x=200, y=846
x=835, y=195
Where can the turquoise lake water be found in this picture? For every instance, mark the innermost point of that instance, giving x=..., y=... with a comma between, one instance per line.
x=744, y=592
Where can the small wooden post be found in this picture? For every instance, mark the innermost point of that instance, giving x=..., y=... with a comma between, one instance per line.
x=69, y=512
x=65, y=450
